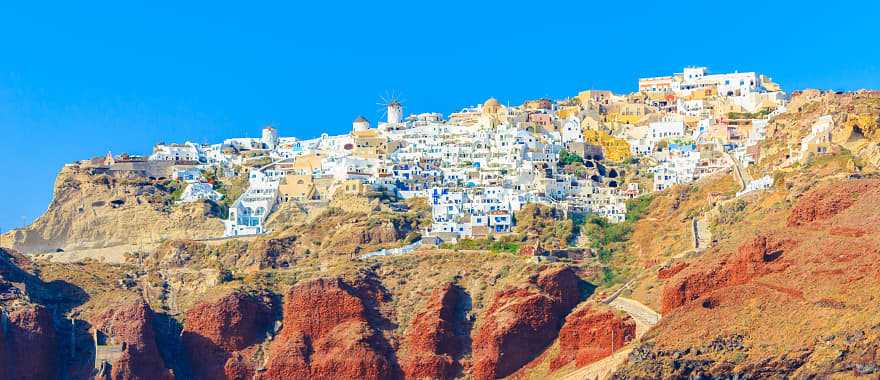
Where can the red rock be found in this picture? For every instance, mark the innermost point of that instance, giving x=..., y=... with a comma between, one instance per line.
x=521, y=322
x=216, y=332
x=826, y=201
x=238, y=367
x=669, y=272
x=561, y=284
x=28, y=345
x=753, y=259
x=131, y=325
x=430, y=341
x=589, y=335
x=326, y=335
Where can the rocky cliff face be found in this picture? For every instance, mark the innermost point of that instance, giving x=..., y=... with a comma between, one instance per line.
x=130, y=325
x=222, y=338
x=590, y=334
x=97, y=210
x=28, y=336
x=28, y=343
x=333, y=339
x=522, y=321
x=434, y=340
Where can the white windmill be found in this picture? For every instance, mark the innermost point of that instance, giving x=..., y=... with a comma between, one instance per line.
x=392, y=108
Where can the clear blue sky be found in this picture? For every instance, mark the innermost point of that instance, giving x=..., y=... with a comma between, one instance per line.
x=79, y=80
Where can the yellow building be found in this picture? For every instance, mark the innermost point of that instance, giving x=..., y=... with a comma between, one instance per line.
x=538, y=104
x=591, y=122
x=566, y=112
x=615, y=149
x=299, y=184
x=597, y=96
x=354, y=187
x=297, y=187
x=368, y=144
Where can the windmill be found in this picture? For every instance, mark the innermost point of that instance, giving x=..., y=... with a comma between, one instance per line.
x=391, y=107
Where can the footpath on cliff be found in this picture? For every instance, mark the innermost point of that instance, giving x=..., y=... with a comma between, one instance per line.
x=644, y=317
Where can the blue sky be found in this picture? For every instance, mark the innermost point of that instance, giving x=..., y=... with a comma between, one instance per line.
x=77, y=80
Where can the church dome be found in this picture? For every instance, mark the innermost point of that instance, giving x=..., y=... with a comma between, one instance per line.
x=491, y=105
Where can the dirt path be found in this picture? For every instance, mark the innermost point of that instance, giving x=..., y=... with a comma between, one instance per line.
x=644, y=317
x=740, y=174
x=111, y=255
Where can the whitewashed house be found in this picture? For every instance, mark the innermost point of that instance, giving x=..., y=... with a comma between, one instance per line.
x=199, y=191
x=247, y=214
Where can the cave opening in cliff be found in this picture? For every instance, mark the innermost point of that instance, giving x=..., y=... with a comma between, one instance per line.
x=856, y=134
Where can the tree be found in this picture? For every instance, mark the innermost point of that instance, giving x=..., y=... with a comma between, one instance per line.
x=568, y=158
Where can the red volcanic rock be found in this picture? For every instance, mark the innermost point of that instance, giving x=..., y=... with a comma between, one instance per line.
x=215, y=332
x=521, y=322
x=589, y=335
x=237, y=367
x=669, y=272
x=561, y=284
x=131, y=325
x=828, y=200
x=28, y=345
x=753, y=259
x=326, y=336
x=430, y=340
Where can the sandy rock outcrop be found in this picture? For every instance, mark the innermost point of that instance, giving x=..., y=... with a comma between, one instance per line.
x=432, y=342
x=217, y=335
x=592, y=333
x=521, y=322
x=326, y=334
x=98, y=210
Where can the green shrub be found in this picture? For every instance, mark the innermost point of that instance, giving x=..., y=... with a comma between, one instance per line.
x=568, y=158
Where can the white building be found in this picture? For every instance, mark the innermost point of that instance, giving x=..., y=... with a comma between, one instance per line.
x=199, y=191
x=679, y=168
x=665, y=129
x=177, y=152
x=186, y=174
x=571, y=130
x=269, y=137
x=249, y=212
x=698, y=78
x=360, y=124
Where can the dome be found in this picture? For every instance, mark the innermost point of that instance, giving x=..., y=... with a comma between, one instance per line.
x=491, y=105
x=360, y=124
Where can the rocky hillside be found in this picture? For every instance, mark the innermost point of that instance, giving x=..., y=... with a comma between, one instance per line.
x=780, y=283
x=788, y=286
x=98, y=210
x=798, y=296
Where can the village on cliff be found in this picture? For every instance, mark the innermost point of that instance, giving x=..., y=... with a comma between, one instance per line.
x=478, y=166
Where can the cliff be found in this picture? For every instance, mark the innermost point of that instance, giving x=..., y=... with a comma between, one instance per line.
x=796, y=297
x=99, y=210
